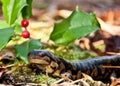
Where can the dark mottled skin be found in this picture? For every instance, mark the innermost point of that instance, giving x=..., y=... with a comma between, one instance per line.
x=92, y=67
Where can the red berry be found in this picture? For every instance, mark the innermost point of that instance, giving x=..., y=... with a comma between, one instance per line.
x=24, y=23
x=25, y=34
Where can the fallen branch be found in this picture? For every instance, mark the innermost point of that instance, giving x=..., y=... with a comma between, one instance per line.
x=111, y=66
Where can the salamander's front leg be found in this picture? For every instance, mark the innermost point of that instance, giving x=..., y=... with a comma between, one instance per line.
x=114, y=80
x=67, y=76
x=113, y=77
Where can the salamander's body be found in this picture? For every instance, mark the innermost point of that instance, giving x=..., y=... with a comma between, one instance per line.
x=57, y=66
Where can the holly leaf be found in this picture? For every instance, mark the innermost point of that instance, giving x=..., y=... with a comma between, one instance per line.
x=26, y=11
x=3, y=24
x=77, y=25
x=5, y=35
x=11, y=9
x=27, y=46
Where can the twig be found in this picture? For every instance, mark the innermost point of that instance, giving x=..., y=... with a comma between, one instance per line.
x=47, y=78
x=59, y=81
x=8, y=66
x=13, y=65
x=114, y=83
x=111, y=66
x=112, y=53
x=34, y=84
x=76, y=81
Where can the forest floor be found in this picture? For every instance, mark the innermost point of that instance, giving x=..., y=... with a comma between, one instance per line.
x=45, y=14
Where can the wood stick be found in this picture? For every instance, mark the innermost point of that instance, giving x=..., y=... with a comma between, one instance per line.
x=111, y=66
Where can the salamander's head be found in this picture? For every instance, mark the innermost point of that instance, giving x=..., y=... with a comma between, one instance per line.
x=47, y=61
x=44, y=60
x=42, y=57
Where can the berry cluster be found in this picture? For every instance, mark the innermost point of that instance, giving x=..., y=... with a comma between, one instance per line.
x=25, y=33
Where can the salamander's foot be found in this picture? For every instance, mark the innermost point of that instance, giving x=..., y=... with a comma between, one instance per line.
x=114, y=80
x=113, y=77
x=67, y=77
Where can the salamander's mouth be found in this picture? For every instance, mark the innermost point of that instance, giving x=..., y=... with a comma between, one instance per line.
x=39, y=61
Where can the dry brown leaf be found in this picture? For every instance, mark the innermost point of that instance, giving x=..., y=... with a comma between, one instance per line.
x=116, y=82
x=7, y=54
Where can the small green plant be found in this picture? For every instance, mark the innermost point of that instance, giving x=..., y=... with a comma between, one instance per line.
x=25, y=33
x=17, y=13
x=77, y=25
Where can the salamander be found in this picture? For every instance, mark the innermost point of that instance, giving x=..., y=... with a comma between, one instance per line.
x=59, y=67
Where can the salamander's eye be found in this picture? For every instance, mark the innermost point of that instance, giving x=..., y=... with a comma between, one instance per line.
x=42, y=54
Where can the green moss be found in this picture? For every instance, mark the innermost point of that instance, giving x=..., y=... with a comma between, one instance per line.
x=73, y=52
